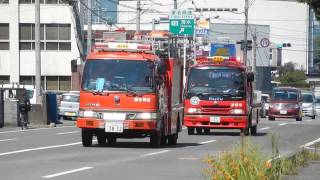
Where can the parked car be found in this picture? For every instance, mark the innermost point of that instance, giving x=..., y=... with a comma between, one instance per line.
x=318, y=105
x=265, y=100
x=286, y=102
x=308, y=104
x=69, y=106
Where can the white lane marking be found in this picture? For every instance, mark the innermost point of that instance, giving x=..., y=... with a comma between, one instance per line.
x=155, y=153
x=39, y=148
x=66, y=172
x=265, y=128
x=278, y=157
x=309, y=120
x=189, y=158
x=71, y=132
x=206, y=142
x=3, y=140
x=310, y=143
x=5, y=132
x=282, y=124
x=318, y=149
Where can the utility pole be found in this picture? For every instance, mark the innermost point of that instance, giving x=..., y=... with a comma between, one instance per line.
x=153, y=24
x=175, y=4
x=89, y=28
x=254, y=63
x=245, y=51
x=38, y=52
x=138, y=17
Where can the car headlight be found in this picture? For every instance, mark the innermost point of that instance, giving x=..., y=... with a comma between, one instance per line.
x=88, y=114
x=146, y=116
x=194, y=110
x=307, y=105
x=266, y=106
x=237, y=111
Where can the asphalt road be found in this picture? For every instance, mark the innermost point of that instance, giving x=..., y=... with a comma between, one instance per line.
x=57, y=153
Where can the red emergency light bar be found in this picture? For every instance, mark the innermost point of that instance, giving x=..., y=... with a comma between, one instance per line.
x=116, y=46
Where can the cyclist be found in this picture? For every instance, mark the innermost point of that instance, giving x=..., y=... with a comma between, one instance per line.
x=24, y=108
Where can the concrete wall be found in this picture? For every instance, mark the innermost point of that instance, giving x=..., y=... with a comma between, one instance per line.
x=10, y=113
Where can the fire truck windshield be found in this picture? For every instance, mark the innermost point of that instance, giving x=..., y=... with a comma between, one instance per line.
x=118, y=75
x=217, y=81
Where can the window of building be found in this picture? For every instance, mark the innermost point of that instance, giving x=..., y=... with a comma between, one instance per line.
x=52, y=82
x=43, y=1
x=53, y=36
x=65, y=83
x=47, y=82
x=4, y=79
x=4, y=2
x=4, y=36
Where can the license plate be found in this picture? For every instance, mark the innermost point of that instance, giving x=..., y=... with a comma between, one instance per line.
x=215, y=119
x=116, y=127
x=114, y=116
x=283, y=112
x=70, y=114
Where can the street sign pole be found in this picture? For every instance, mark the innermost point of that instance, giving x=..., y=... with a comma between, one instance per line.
x=184, y=60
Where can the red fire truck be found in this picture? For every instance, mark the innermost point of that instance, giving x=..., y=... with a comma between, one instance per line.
x=130, y=90
x=219, y=95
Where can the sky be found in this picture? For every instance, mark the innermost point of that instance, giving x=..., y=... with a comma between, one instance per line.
x=287, y=19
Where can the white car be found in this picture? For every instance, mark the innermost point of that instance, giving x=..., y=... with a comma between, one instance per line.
x=69, y=106
x=309, y=104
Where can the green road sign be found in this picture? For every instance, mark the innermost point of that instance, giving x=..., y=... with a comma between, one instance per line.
x=182, y=22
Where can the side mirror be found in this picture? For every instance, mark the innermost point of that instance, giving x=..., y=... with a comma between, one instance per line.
x=250, y=76
x=74, y=65
x=159, y=80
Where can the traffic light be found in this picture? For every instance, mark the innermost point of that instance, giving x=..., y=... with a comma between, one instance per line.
x=286, y=44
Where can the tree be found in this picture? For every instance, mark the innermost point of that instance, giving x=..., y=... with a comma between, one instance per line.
x=315, y=4
x=287, y=67
x=296, y=78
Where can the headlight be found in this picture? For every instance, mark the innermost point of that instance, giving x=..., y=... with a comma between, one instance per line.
x=146, y=116
x=266, y=106
x=194, y=100
x=194, y=110
x=237, y=111
x=88, y=114
x=307, y=105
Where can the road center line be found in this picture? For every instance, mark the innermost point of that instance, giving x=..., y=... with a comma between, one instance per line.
x=309, y=120
x=3, y=140
x=71, y=132
x=282, y=124
x=155, y=153
x=207, y=142
x=265, y=128
x=38, y=148
x=66, y=172
x=310, y=143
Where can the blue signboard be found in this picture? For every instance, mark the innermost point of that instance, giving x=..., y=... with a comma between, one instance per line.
x=202, y=32
x=226, y=50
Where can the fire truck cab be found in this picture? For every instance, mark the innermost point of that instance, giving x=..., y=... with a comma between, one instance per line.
x=130, y=90
x=219, y=95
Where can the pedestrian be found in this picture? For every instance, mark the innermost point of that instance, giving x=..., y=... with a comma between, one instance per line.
x=24, y=108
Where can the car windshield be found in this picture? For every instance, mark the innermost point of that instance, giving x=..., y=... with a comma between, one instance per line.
x=285, y=95
x=307, y=98
x=118, y=75
x=70, y=98
x=216, y=80
x=318, y=100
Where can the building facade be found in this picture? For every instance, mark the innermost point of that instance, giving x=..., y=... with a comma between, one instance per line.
x=313, y=67
x=17, y=43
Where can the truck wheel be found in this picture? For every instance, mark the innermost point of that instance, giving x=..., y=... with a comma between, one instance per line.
x=164, y=140
x=199, y=130
x=101, y=139
x=190, y=131
x=299, y=119
x=313, y=117
x=86, y=137
x=271, y=118
x=112, y=140
x=245, y=131
x=253, y=130
x=172, y=139
x=155, y=140
x=206, y=130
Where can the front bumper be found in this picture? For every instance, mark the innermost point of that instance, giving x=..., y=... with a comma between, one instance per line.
x=284, y=113
x=210, y=121
x=68, y=112
x=308, y=112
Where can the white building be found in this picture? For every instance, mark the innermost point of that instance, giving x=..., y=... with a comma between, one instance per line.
x=58, y=43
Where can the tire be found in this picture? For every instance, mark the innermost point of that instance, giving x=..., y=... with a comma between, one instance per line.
x=190, y=131
x=271, y=118
x=86, y=136
x=313, y=117
x=299, y=119
x=253, y=130
x=207, y=131
x=245, y=131
x=101, y=139
x=112, y=140
x=199, y=130
x=164, y=140
x=155, y=140
x=172, y=139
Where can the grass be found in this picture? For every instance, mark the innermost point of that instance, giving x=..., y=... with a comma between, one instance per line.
x=247, y=162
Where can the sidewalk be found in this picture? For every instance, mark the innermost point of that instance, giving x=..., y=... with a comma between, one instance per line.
x=309, y=172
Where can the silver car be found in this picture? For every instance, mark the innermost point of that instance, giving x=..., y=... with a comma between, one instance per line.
x=318, y=105
x=69, y=106
x=308, y=104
